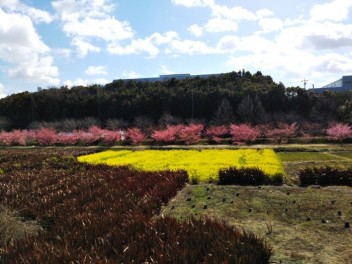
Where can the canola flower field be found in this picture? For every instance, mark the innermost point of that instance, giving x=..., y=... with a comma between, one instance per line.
x=202, y=165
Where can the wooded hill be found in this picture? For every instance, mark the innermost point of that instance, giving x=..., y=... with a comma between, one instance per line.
x=230, y=97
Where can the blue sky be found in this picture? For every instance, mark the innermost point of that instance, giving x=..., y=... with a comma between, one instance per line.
x=80, y=42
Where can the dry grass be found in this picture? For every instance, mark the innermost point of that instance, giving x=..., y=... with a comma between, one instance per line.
x=279, y=214
x=13, y=227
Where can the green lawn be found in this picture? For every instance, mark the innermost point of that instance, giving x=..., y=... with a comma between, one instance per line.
x=305, y=156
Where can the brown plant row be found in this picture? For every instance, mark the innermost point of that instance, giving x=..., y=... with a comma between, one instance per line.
x=102, y=214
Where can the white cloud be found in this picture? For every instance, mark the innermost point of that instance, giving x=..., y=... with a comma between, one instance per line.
x=84, y=47
x=191, y=3
x=77, y=82
x=221, y=25
x=37, y=15
x=37, y=69
x=316, y=36
x=2, y=91
x=189, y=47
x=195, y=30
x=101, y=81
x=96, y=70
x=137, y=46
x=17, y=32
x=64, y=53
x=148, y=45
x=164, y=70
x=23, y=49
x=84, y=82
x=270, y=24
x=108, y=29
x=264, y=13
x=131, y=75
x=86, y=21
x=229, y=44
x=336, y=10
x=236, y=13
x=165, y=38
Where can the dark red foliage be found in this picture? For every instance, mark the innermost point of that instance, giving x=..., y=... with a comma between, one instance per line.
x=248, y=176
x=325, y=176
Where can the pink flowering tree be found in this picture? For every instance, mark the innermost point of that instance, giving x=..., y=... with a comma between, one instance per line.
x=243, y=133
x=96, y=132
x=339, y=131
x=111, y=137
x=68, y=139
x=168, y=135
x=86, y=137
x=191, y=134
x=217, y=133
x=46, y=136
x=283, y=132
x=23, y=137
x=5, y=138
x=135, y=135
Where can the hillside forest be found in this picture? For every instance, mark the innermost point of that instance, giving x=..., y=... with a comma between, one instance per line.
x=235, y=97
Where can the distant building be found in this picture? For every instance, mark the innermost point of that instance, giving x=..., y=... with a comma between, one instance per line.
x=341, y=85
x=166, y=77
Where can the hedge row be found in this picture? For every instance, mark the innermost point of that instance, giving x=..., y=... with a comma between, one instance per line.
x=248, y=176
x=325, y=176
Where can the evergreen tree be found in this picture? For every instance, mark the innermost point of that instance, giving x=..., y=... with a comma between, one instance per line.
x=224, y=115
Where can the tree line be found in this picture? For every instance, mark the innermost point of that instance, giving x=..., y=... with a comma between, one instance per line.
x=223, y=99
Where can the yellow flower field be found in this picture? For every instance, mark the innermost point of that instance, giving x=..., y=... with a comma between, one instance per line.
x=200, y=164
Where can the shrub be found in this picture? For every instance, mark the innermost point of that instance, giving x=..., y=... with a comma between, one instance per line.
x=216, y=133
x=311, y=129
x=339, y=131
x=86, y=138
x=16, y=137
x=247, y=176
x=68, y=138
x=111, y=137
x=135, y=135
x=243, y=133
x=283, y=132
x=168, y=135
x=187, y=134
x=46, y=136
x=191, y=134
x=325, y=176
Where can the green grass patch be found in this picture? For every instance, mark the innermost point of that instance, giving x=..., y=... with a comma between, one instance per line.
x=201, y=165
x=346, y=155
x=305, y=156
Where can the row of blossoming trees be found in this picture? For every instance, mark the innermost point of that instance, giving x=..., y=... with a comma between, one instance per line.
x=185, y=134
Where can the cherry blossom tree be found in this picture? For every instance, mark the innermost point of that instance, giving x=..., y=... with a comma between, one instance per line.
x=243, y=133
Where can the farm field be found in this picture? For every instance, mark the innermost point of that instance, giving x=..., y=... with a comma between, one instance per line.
x=202, y=165
x=294, y=161
x=57, y=210
x=103, y=212
x=280, y=215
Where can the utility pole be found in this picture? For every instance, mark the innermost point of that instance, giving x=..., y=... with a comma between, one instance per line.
x=192, y=102
x=305, y=82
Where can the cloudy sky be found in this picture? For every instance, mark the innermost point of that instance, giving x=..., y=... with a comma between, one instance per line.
x=77, y=42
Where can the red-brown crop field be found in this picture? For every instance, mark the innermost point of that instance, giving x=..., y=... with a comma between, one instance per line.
x=101, y=214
